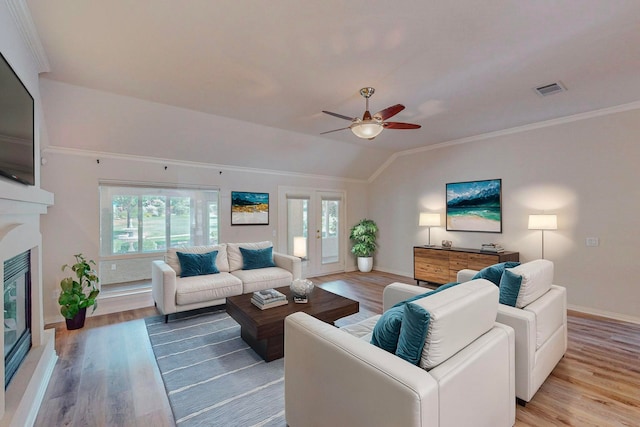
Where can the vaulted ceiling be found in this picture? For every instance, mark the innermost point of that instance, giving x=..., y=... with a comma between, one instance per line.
x=461, y=68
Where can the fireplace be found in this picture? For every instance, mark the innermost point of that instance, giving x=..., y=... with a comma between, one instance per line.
x=27, y=375
x=17, y=313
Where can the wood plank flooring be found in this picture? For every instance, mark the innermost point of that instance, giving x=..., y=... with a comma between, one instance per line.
x=106, y=374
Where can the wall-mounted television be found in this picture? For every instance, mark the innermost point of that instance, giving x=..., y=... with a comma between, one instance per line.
x=17, y=157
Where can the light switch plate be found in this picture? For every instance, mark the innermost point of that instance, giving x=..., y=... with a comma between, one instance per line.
x=593, y=241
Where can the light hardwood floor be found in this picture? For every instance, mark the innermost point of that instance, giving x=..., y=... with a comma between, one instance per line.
x=106, y=374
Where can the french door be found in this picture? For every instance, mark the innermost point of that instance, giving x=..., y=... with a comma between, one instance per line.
x=313, y=223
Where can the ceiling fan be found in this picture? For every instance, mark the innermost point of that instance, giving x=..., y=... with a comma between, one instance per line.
x=368, y=127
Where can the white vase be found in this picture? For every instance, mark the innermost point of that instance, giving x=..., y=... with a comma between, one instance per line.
x=365, y=264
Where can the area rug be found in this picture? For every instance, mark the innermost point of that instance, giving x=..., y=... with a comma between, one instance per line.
x=212, y=377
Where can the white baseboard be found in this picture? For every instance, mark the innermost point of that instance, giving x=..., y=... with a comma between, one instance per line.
x=108, y=304
x=130, y=301
x=396, y=272
x=603, y=313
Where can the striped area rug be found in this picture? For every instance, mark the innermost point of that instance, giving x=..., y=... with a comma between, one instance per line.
x=212, y=377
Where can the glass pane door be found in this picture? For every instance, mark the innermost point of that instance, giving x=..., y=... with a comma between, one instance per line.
x=330, y=233
x=313, y=224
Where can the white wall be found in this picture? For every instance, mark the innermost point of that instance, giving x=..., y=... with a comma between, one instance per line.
x=72, y=225
x=585, y=171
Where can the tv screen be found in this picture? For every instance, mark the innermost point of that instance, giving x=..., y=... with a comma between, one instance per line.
x=16, y=127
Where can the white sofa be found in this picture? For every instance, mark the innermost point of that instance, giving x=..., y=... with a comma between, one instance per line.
x=173, y=294
x=336, y=377
x=540, y=323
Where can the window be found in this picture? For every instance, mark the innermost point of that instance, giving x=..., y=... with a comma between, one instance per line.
x=135, y=219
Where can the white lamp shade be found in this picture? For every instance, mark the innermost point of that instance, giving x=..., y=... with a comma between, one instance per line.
x=543, y=222
x=300, y=246
x=429, y=220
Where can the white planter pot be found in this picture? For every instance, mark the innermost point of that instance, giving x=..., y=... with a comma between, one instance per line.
x=365, y=264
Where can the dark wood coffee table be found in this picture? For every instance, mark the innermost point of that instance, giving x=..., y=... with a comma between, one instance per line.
x=263, y=330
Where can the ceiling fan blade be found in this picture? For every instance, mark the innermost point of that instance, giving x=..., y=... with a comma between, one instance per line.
x=388, y=112
x=398, y=125
x=340, y=116
x=335, y=130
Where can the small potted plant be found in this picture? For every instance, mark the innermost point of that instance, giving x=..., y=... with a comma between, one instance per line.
x=78, y=293
x=363, y=234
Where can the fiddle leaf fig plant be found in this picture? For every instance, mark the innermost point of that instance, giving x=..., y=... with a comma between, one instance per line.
x=363, y=235
x=81, y=291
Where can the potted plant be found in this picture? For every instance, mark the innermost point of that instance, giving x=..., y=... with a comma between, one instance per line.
x=363, y=234
x=78, y=293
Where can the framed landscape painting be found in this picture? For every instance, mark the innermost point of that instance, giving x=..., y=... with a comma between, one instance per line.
x=249, y=208
x=475, y=206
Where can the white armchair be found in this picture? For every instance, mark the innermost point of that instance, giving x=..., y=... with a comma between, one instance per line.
x=335, y=377
x=540, y=323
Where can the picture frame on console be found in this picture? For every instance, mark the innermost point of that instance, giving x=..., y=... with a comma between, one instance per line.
x=248, y=208
x=474, y=206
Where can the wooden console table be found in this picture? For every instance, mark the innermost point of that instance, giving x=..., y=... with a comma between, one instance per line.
x=441, y=265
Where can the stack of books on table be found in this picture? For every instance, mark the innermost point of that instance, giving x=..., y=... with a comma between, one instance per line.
x=492, y=247
x=268, y=298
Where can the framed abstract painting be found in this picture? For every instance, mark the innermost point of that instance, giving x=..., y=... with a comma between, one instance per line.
x=475, y=206
x=249, y=208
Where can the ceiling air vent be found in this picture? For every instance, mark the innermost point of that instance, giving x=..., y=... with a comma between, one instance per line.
x=550, y=89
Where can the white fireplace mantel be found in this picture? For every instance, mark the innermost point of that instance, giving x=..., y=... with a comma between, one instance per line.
x=20, y=210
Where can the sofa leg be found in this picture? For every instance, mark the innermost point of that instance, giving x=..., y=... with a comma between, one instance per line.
x=166, y=318
x=521, y=402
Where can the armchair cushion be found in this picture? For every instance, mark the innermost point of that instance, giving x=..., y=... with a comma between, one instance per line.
x=537, y=277
x=198, y=264
x=457, y=317
x=493, y=273
x=387, y=330
x=510, y=284
x=413, y=332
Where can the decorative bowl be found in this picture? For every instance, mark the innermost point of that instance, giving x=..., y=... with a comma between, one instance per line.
x=301, y=287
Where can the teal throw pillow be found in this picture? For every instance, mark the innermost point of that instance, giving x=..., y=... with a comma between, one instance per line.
x=386, y=332
x=493, y=273
x=257, y=258
x=510, y=284
x=415, y=325
x=387, y=329
x=198, y=264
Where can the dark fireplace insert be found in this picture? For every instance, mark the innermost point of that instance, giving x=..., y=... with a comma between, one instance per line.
x=17, y=313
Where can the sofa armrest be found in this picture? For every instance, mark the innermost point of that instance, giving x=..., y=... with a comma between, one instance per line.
x=163, y=286
x=290, y=263
x=335, y=377
x=396, y=292
x=465, y=275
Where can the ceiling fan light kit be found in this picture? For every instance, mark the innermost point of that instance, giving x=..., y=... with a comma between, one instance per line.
x=368, y=127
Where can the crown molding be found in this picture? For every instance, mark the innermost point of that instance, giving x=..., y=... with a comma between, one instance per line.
x=173, y=162
x=539, y=125
x=24, y=22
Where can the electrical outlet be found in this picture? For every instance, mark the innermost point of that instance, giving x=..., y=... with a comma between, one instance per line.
x=593, y=241
x=113, y=266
